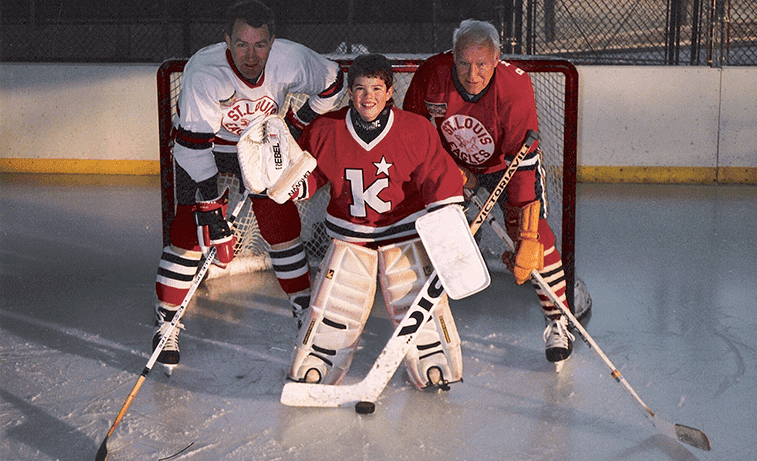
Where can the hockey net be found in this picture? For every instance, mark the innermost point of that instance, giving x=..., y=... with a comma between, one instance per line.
x=556, y=90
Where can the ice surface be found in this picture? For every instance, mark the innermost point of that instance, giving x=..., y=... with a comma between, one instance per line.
x=671, y=270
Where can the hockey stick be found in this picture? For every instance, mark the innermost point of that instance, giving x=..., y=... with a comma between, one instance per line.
x=685, y=434
x=502, y=234
x=102, y=452
x=404, y=336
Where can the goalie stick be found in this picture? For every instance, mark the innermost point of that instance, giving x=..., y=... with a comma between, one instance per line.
x=404, y=336
x=684, y=434
x=102, y=452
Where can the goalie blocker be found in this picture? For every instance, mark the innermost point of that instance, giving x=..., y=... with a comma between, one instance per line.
x=453, y=252
x=270, y=159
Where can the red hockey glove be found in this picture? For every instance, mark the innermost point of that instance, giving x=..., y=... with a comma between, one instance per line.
x=212, y=228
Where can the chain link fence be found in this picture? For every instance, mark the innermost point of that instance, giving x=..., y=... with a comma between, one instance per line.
x=642, y=32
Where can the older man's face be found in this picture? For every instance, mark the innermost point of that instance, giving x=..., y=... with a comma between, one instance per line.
x=474, y=65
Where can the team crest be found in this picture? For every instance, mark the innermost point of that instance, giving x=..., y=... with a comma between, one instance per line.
x=436, y=109
x=245, y=112
x=469, y=140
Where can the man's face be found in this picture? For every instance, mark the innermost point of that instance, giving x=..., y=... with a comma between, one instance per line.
x=369, y=96
x=474, y=65
x=249, y=48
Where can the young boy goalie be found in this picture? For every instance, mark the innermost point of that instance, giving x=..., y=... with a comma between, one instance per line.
x=386, y=168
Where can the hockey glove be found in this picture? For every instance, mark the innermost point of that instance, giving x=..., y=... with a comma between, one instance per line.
x=213, y=229
x=471, y=182
x=523, y=225
x=270, y=159
x=298, y=121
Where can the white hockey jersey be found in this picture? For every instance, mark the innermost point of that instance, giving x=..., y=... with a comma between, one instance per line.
x=216, y=103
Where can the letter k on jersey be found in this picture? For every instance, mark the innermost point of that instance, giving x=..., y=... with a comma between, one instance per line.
x=362, y=197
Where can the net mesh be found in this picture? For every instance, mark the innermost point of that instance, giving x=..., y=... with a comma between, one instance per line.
x=553, y=95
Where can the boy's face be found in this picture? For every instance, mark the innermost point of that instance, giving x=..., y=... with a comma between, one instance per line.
x=369, y=96
x=249, y=48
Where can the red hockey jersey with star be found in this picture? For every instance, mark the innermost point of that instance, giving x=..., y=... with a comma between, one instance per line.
x=483, y=133
x=379, y=189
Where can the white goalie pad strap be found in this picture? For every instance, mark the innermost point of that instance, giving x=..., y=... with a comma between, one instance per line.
x=340, y=305
x=271, y=160
x=449, y=243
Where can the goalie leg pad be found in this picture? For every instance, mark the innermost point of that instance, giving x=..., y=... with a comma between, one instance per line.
x=436, y=360
x=340, y=306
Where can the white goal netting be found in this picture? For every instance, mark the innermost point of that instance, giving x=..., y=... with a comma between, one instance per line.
x=555, y=88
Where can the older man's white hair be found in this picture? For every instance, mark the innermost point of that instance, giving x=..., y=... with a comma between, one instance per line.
x=472, y=32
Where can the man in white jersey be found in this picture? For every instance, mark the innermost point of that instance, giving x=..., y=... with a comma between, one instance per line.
x=225, y=88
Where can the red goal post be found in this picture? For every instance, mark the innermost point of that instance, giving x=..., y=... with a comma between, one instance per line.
x=555, y=84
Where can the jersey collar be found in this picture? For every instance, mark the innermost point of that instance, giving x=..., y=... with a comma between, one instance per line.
x=368, y=146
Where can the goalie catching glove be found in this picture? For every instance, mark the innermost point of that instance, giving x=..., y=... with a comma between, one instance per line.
x=213, y=229
x=522, y=224
x=271, y=160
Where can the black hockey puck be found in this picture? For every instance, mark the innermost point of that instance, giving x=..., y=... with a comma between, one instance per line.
x=365, y=408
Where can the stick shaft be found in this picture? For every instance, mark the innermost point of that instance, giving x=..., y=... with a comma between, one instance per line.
x=103, y=453
x=478, y=221
x=685, y=434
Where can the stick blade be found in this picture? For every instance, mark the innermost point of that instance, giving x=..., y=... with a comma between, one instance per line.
x=693, y=437
x=320, y=395
x=102, y=452
x=684, y=434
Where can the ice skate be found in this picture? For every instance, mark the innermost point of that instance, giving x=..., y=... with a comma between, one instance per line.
x=436, y=379
x=559, y=340
x=170, y=355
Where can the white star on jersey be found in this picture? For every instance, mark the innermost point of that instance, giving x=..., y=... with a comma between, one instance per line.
x=382, y=166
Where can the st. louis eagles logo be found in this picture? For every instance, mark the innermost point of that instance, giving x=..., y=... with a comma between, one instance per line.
x=468, y=138
x=244, y=112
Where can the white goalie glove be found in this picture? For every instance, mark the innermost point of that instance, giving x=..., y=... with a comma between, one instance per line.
x=271, y=160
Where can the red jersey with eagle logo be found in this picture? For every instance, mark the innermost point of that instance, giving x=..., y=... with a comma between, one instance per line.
x=379, y=189
x=483, y=132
